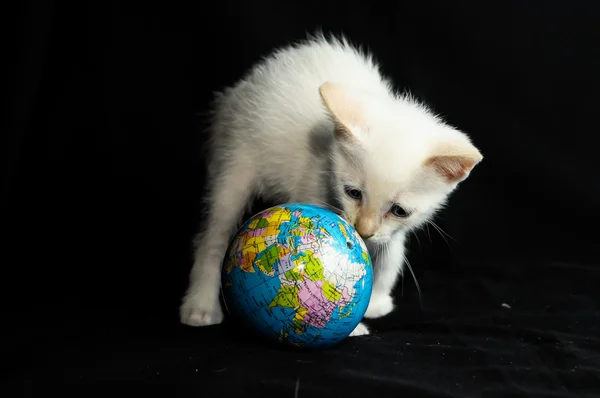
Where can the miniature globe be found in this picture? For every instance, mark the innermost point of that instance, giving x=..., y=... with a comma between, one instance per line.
x=298, y=274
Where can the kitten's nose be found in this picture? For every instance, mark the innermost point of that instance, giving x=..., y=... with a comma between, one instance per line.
x=366, y=227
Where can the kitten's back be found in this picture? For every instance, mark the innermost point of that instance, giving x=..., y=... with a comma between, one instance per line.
x=279, y=98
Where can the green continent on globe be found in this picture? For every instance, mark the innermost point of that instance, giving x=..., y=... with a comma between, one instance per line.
x=365, y=257
x=262, y=223
x=287, y=297
x=293, y=275
x=330, y=292
x=312, y=265
x=268, y=258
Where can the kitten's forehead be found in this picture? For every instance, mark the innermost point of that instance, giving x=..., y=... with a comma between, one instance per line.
x=394, y=150
x=389, y=154
x=394, y=154
x=390, y=168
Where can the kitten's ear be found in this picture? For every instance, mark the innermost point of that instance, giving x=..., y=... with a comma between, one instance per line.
x=345, y=109
x=454, y=161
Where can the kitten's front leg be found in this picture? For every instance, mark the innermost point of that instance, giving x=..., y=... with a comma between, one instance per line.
x=201, y=306
x=387, y=268
x=360, y=330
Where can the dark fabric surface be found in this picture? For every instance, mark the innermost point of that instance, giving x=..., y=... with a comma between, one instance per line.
x=103, y=178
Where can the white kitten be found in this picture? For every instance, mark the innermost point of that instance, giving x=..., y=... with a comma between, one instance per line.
x=315, y=122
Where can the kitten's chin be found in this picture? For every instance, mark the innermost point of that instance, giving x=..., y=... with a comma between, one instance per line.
x=377, y=240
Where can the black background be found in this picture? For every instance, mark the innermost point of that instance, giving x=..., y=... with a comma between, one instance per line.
x=103, y=179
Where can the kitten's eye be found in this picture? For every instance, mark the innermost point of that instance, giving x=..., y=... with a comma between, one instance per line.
x=353, y=193
x=399, y=211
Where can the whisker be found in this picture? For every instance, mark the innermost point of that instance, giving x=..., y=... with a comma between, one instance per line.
x=402, y=287
x=376, y=251
x=442, y=235
x=384, y=249
x=428, y=232
x=415, y=279
x=442, y=231
x=418, y=240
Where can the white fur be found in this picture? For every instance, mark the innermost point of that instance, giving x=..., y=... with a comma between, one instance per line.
x=262, y=143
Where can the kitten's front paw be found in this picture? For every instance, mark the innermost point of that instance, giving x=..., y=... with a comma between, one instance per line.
x=379, y=306
x=197, y=311
x=360, y=330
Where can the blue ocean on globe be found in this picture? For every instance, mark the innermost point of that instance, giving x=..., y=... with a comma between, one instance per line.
x=298, y=274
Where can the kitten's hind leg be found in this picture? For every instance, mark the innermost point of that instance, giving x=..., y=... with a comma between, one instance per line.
x=230, y=192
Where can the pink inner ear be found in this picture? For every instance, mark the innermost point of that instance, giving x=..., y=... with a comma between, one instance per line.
x=346, y=110
x=453, y=168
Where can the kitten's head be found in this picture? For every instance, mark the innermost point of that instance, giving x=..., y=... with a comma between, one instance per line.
x=395, y=163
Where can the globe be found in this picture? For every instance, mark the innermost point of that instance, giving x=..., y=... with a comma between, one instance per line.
x=297, y=274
